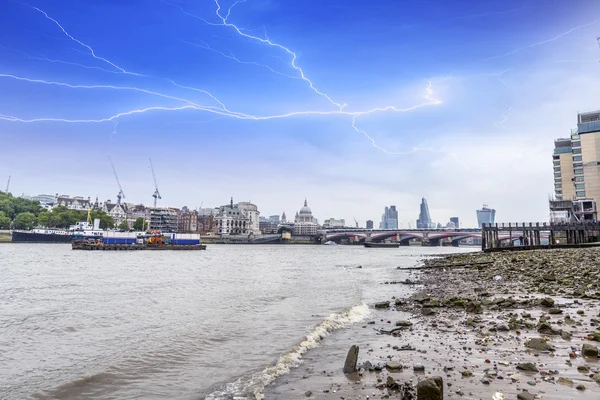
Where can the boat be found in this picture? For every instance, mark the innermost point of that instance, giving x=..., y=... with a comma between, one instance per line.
x=330, y=243
x=152, y=240
x=49, y=235
x=385, y=245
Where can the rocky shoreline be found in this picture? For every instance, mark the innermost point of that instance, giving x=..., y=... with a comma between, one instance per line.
x=523, y=325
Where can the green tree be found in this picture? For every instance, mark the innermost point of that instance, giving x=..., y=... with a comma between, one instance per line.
x=140, y=224
x=4, y=221
x=123, y=226
x=24, y=220
x=43, y=219
x=106, y=221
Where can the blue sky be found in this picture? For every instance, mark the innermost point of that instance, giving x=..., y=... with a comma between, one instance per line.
x=456, y=101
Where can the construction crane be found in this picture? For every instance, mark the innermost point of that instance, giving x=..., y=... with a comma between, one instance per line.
x=156, y=194
x=355, y=221
x=121, y=195
x=7, y=185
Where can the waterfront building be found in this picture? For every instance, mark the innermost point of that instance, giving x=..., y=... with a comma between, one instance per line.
x=304, y=222
x=72, y=203
x=424, y=221
x=164, y=219
x=275, y=219
x=268, y=225
x=187, y=221
x=135, y=211
x=486, y=216
x=369, y=224
x=231, y=220
x=118, y=212
x=570, y=211
x=251, y=211
x=576, y=161
x=334, y=223
x=455, y=221
x=389, y=219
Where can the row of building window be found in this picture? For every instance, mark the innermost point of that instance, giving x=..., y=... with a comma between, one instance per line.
x=578, y=171
x=579, y=179
x=577, y=151
x=580, y=194
x=577, y=158
x=575, y=144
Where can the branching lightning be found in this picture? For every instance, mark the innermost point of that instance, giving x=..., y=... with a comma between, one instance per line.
x=92, y=53
x=220, y=110
x=543, y=41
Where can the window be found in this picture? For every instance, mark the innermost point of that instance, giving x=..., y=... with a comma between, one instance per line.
x=580, y=194
x=556, y=169
x=577, y=151
x=555, y=157
x=579, y=179
x=576, y=144
x=562, y=150
x=558, y=186
x=578, y=164
x=577, y=158
x=557, y=174
x=580, y=186
x=578, y=171
x=574, y=137
x=558, y=191
x=556, y=162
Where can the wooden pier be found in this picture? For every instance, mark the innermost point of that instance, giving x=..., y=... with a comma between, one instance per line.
x=530, y=236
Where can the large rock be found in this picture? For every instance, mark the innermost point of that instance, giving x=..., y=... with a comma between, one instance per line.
x=403, y=323
x=546, y=329
x=431, y=389
x=548, y=302
x=474, y=308
x=588, y=350
x=382, y=304
x=540, y=344
x=351, y=360
x=528, y=367
x=596, y=378
x=525, y=396
x=393, y=365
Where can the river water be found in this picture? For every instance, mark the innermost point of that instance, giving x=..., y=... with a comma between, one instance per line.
x=216, y=324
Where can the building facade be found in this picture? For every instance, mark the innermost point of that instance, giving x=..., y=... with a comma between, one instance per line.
x=455, y=221
x=72, y=203
x=486, y=216
x=164, y=219
x=251, y=211
x=389, y=219
x=334, y=223
x=118, y=212
x=424, y=221
x=187, y=221
x=304, y=223
x=369, y=224
x=576, y=161
x=231, y=220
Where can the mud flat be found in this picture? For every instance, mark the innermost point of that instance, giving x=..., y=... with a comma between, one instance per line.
x=520, y=325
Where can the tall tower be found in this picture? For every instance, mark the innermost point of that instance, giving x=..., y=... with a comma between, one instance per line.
x=424, y=220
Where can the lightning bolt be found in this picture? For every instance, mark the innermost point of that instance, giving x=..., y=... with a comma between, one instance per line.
x=230, y=56
x=542, y=42
x=221, y=110
x=89, y=48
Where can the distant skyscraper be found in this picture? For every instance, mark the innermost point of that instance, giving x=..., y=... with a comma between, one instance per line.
x=424, y=220
x=389, y=219
x=486, y=215
x=455, y=221
x=369, y=224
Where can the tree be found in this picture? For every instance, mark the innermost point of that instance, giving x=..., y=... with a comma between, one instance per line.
x=106, y=221
x=123, y=226
x=4, y=221
x=24, y=220
x=140, y=224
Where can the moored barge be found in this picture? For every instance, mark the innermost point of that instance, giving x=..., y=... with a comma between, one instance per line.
x=153, y=240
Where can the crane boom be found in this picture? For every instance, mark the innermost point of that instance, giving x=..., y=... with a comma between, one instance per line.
x=156, y=194
x=7, y=185
x=121, y=194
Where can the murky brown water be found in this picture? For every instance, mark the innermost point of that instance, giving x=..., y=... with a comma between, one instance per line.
x=177, y=325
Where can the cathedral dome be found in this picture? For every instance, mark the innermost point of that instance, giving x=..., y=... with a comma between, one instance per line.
x=306, y=209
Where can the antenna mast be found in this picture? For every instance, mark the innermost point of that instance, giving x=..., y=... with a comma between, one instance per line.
x=121, y=195
x=156, y=194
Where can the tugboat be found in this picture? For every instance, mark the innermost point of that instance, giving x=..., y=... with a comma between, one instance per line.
x=382, y=244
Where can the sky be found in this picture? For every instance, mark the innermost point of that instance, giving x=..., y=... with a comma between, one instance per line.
x=351, y=105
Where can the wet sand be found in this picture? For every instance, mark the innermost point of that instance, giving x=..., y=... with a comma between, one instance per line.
x=471, y=324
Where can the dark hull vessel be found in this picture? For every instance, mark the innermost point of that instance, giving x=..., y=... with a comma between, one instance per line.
x=382, y=245
x=33, y=237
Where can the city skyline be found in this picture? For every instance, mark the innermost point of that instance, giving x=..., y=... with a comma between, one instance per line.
x=476, y=113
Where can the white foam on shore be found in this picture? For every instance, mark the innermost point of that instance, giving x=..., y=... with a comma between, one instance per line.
x=252, y=387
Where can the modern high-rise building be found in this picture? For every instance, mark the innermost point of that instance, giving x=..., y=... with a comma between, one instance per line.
x=424, y=221
x=455, y=221
x=576, y=161
x=369, y=224
x=389, y=219
x=486, y=216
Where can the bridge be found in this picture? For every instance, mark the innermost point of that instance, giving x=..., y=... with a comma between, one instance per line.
x=432, y=236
